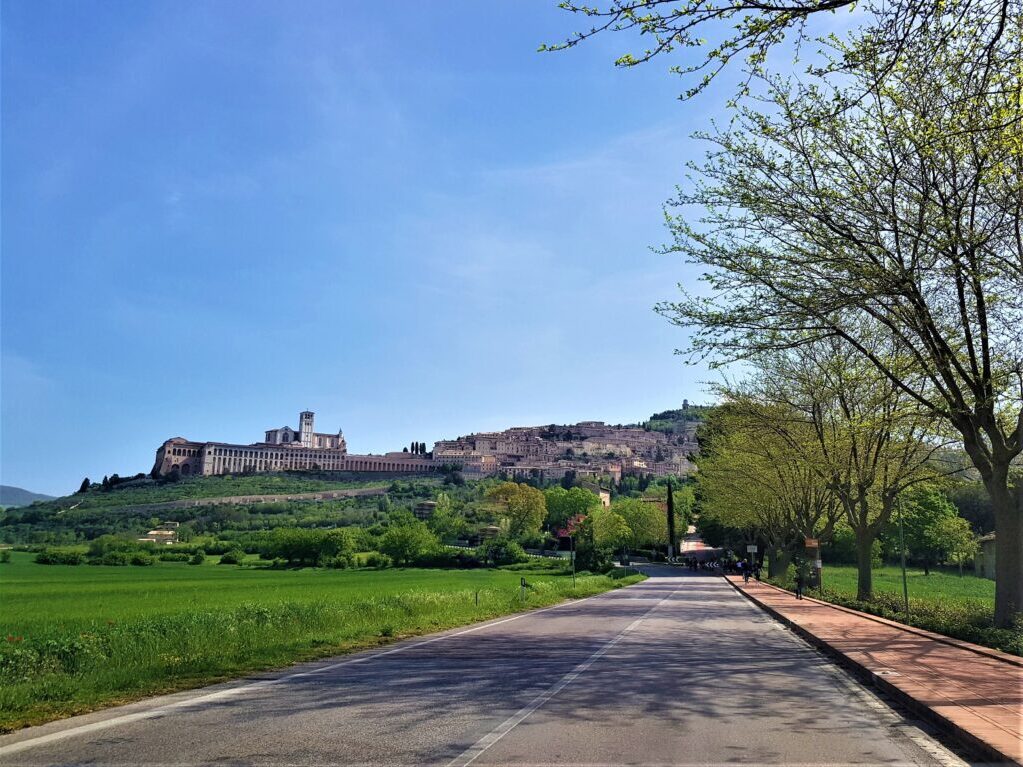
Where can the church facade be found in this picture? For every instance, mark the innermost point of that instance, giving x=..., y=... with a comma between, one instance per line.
x=283, y=449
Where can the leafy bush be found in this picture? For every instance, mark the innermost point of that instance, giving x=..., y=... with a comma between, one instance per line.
x=337, y=562
x=232, y=557
x=553, y=565
x=307, y=547
x=5, y=556
x=112, y=558
x=453, y=558
x=141, y=559
x=501, y=551
x=198, y=557
x=106, y=544
x=378, y=561
x=174, y=556
x=59, y=557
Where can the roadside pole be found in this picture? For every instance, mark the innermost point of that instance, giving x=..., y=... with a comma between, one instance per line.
x=902, y=546
x=572, y=556
x=813, y=545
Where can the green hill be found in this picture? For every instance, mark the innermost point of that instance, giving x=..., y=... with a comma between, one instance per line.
x=678, y=421
x=16, y=496
x=126, y=507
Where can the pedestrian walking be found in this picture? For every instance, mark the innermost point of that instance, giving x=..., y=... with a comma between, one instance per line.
x=800, y=583
x=756, y=571
x=745, y=571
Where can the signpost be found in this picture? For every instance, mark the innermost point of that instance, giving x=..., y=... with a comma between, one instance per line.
x=814, y=545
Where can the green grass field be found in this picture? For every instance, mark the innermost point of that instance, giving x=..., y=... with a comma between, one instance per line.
x=949, y=604
x=934, y=587
x=75, y=638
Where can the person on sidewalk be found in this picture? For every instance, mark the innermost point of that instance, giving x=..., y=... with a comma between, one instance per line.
x=800, y=584
x=745, y=571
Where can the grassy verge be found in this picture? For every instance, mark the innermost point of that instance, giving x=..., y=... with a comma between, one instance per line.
x=961, y=607
x=73, y=639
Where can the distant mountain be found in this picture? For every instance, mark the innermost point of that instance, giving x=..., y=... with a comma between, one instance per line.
x=16, y=496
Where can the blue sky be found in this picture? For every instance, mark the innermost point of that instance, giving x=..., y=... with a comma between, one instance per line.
x=400, y=216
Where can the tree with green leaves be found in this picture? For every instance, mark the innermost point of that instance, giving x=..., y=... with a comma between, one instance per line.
x=408, y=541
x=760, y=473
x=873, y=442
x=934, y=531
x=563, y=505
x=726, y=33
x=445, y=523
x=647, y=521
x=898, y=214
x=610, y=531
x=524, y=508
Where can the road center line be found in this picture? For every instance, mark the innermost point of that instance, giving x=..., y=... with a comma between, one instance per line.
x=220, y=695
x=470, y=755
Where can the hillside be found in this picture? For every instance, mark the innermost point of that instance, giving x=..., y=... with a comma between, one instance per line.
x=682, y=420
x=126, y=508
x=17, y=496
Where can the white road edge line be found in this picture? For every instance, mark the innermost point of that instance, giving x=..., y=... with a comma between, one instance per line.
x=23, y=745
x=472, y=753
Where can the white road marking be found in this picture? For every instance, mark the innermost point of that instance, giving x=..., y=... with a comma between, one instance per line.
x=232, y=692
x=472, y=753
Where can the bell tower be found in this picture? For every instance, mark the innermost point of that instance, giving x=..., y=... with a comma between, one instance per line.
x=305, y=428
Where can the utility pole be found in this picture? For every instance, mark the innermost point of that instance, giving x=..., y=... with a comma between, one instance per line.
x=902, y=545
x=571, y=538
x=671, y=522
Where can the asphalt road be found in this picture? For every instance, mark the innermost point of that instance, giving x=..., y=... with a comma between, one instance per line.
x=676, y=670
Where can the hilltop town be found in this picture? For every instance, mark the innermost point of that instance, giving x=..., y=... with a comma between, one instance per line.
x=662, y=446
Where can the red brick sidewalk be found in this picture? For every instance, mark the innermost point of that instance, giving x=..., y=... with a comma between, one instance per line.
x=973, y=692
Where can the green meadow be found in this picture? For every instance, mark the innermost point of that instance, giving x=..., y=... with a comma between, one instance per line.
x=937, y=586
x=75, y=638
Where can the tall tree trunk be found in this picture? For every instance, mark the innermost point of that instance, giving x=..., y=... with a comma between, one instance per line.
x=1008, y=508
x=864, y=562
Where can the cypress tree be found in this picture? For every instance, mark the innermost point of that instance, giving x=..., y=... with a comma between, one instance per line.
x=671, y=522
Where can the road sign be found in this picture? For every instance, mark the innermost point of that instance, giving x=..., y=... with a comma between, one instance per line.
x=812, y=543
x=819, y=563
x=751, y=548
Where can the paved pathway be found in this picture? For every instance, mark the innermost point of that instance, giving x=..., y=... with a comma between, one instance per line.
x=975, y=691
x=675, y=670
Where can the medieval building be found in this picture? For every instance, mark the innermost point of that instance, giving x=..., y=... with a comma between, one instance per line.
x=283, y=449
